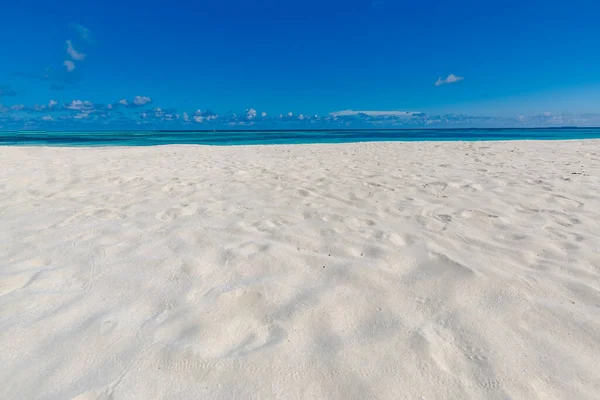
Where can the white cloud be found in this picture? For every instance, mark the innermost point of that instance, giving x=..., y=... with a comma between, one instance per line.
x=289, y=114
x=301, y=117
x=47, y=118
x=450, y=79
x=79, y=105
x=251, y=113
x=75, y=55
x=348, y=113
x=141, y=100
x=201, y=118
x=52, y=103
x=18, y=107
x=70, y=65
x=110, y=106
x=263, y=114
x=186, y=117
x=123, y=102
x=84, y=32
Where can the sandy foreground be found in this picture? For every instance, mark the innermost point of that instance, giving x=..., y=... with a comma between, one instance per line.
x=354, y=271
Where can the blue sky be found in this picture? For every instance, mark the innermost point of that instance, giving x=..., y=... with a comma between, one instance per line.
x=204, y=65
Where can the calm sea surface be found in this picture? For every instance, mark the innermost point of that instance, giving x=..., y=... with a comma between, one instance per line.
x=228, y=138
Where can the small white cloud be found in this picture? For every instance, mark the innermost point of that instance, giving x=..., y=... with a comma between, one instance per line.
x=84, y=33
x=47, y=118
x=79, y=105
x=251, y=113
x=123, y=102
x=141, y=100
x=450, y=79
x=18, y=107
x=201, y=118
x=289, y=114
x=69, y=64
x=75, y=55
x=52, y=103
x=81, y=115
x=186, y=117
x=263, y=114
x=110, y=106
x=301, y=117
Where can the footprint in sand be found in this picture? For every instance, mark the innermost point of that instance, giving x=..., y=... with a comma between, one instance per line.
x=107, y=326
x=472, y=187
x=173, y=213
x=108, y=215
x=436, y=188
x=236, y=324
x=565, y=202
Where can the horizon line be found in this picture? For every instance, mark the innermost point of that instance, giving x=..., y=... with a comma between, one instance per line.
x=301, y=130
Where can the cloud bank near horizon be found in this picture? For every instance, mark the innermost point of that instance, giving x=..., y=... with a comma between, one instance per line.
x=137, y=113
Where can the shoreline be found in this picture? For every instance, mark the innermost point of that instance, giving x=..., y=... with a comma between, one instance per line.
x=290, y=137
x=246, y=146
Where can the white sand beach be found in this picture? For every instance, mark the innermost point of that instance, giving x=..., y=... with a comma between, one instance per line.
x=352, y=271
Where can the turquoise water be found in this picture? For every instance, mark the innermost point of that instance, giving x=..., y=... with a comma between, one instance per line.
x=228, y=138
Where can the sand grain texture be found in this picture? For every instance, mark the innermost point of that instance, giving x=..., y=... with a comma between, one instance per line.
x=354, y=271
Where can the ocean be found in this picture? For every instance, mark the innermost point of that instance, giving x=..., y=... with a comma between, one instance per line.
x=267, y=137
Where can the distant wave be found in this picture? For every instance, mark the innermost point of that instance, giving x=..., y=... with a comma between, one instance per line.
x=250, y=137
